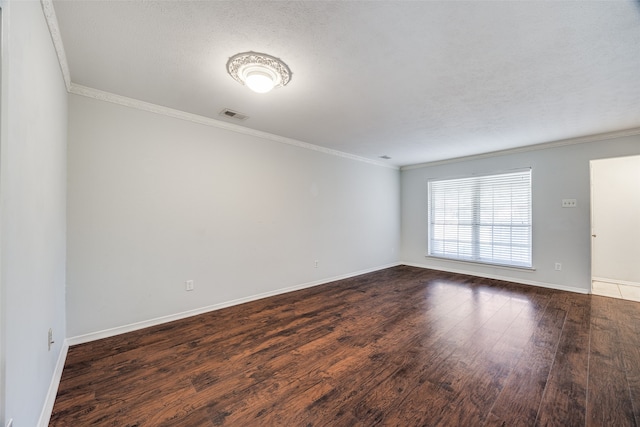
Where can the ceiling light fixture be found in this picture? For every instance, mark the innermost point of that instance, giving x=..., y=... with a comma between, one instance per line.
x=258, y=71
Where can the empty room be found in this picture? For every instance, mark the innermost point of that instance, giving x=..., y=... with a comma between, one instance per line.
x=319, y=213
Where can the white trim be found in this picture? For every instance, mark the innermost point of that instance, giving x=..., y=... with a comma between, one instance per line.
x=480, y=174
x=615, y=281
x=480, y=263
x=207, y=121
x=80, y=339
x=503, y=278
x=54, y=30
x=527, y=148
x=47, y=409
x=5, y=7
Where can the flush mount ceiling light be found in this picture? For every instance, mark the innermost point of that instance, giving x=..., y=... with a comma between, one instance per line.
x=258, y=71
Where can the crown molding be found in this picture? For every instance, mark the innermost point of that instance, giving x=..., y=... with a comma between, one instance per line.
x=535, y=147
x=207, y=121
x=54, y=30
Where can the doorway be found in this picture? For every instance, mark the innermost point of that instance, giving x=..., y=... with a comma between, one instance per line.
x=615, y=227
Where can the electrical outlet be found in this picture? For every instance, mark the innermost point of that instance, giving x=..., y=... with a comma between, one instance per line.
x=558, y=266
x=50, y=340
x=569, y=203
x=316, y=264
x=188, y=285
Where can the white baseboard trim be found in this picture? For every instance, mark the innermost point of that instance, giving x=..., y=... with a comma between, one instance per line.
x=47, y=409
x=80, y=339
x=615, y=281
x=504, y=278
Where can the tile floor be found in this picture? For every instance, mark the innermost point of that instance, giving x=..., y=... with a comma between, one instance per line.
x=614, y=290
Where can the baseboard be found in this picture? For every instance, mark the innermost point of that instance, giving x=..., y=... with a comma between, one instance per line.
x=503, y=278
x=615, y=281
x=170, y=318
x=47, y=409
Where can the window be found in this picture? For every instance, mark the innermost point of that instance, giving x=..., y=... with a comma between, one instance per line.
x=482, y=219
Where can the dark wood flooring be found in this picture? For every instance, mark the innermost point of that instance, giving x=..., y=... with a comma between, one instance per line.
x=398, y=347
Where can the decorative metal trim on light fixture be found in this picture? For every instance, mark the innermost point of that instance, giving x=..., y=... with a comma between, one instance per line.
x=258, y=71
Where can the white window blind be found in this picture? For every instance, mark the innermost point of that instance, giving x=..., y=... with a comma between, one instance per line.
x=482, y=219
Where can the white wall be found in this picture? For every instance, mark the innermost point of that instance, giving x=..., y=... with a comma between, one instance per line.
x=616, y=219
x=33, y=191
x=155, y=201
x=559, y=234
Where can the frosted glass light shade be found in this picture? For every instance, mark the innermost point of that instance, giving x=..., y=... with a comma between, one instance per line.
x=259, y=81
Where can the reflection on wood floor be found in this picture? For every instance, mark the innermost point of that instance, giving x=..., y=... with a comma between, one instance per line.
x=403, y=346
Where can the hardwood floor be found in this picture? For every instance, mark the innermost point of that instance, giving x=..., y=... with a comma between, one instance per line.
x=398, y=347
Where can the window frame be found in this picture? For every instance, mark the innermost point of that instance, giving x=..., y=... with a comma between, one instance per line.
x=475, y=242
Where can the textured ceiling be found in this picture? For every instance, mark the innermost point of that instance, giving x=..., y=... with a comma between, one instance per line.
x=417, y=81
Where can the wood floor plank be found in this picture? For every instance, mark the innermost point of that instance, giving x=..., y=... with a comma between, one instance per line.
x=471, y=376
x=564, y=401
x=403, y=346
x=609, y=400
x=519, y=400
x=630, y=345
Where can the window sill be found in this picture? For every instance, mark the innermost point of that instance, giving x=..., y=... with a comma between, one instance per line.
x=484, y=264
